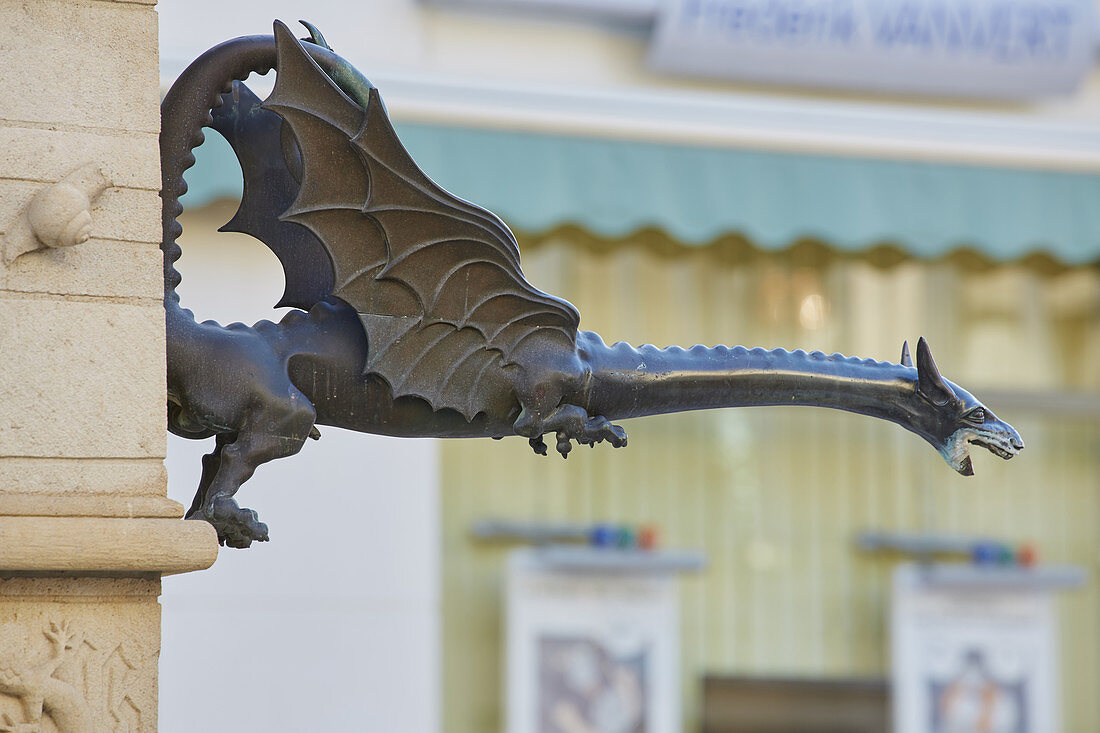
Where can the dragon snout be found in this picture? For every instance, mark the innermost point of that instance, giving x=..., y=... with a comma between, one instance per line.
x=1000, y=439
x=1010, y=441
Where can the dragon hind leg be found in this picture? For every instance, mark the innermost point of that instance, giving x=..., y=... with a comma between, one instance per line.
x=276, y=429
x=210, y=463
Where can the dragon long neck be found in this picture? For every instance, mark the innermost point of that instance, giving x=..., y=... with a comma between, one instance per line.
x=633, y=382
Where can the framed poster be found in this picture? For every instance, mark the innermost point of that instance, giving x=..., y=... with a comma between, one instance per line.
x=979, y=658
x=591, y=651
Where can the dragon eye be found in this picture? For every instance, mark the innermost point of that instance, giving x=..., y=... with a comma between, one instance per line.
x=976, y=416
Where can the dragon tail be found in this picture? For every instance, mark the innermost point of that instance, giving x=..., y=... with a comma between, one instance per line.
x=185, y=111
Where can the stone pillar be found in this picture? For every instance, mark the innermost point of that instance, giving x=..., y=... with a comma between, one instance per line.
x=86, y=528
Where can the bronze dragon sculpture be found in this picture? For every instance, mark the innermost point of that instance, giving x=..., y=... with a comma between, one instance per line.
x=413, y=317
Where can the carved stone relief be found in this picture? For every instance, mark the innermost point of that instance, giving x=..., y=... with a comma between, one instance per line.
x=70, y=680
x=58, y=216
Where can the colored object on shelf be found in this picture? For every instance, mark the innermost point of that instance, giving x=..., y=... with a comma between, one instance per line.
x=1005, y=555
x=626, y=537
x=984, y=553
x=603, y=535
x=1027, y=555
x=647, y=537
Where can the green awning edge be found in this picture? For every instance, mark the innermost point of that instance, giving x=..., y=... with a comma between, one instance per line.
x=538, y=182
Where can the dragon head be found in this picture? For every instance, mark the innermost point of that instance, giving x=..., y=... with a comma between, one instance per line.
x=951, y=419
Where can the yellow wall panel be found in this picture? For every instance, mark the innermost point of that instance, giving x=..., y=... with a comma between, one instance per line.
x=774, y=496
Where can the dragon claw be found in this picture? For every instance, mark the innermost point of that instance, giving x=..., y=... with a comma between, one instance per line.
x=570, y=422
x=237, y=527
x=599, y=429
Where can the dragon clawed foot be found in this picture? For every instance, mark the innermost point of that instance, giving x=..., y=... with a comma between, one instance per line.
x=237, y=526
x=563, y=446
x=600, y=429
x=571, y=424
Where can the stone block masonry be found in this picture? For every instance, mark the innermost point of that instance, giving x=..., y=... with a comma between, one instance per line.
x=86, y=528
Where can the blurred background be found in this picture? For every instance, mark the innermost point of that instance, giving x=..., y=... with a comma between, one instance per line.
x=838, y=175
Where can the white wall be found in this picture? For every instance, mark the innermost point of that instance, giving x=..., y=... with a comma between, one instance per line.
x=334, y=624
x=553, y=72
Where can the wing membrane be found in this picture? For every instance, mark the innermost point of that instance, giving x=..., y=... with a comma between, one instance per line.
x=436, y=280
x=257, y=138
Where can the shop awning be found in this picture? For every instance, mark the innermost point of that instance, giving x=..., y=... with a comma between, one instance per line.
x=536, y=182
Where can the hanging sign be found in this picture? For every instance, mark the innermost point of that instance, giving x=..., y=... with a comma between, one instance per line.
x=591, y=647
x=978, y=48
x=970, y=655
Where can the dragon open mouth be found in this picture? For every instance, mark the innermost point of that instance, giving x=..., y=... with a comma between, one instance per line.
x=956, y=450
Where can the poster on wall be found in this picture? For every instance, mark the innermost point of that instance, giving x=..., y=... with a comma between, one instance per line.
x=973, y=659
x=590, y=651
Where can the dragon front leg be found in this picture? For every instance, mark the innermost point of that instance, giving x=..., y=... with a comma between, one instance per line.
x=547, y=395
x=570, y=422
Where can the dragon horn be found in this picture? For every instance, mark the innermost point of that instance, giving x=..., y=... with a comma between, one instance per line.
x=315, y=35
x=929, y=382
x=906, y=360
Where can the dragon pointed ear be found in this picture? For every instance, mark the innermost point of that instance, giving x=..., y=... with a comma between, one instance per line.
x=929, y=382
x=906, y=360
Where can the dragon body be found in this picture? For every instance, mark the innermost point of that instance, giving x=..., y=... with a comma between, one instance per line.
x=413, y=317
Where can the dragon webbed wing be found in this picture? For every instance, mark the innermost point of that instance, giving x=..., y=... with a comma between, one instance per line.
x=436, y=280
x=271, y=168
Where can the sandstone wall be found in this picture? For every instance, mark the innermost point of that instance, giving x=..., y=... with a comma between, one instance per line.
x=86, y=528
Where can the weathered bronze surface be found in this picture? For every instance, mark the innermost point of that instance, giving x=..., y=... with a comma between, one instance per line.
x=416, y=319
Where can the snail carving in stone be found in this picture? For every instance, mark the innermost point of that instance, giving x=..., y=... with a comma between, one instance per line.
x=59, y=215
